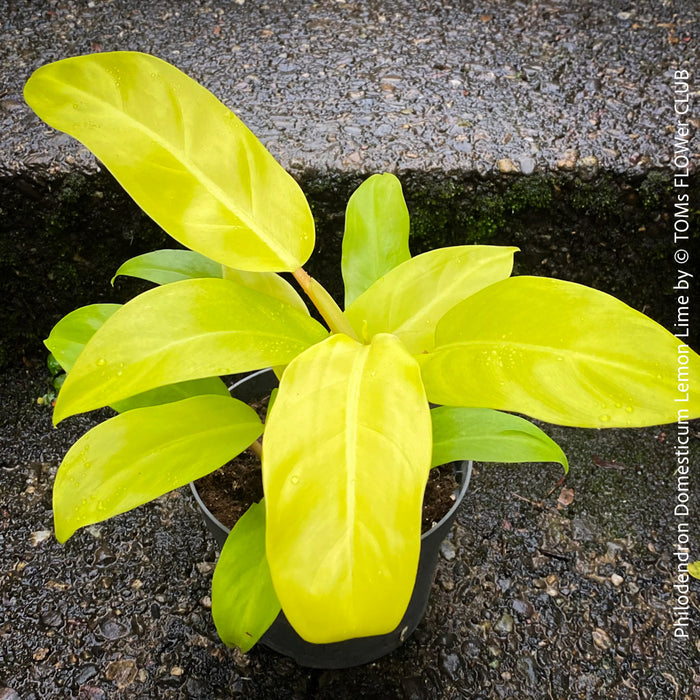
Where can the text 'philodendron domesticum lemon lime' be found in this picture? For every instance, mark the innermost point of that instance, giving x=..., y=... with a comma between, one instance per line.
x=351, y=438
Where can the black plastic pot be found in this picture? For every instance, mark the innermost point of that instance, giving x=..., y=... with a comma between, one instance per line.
x=352, y=652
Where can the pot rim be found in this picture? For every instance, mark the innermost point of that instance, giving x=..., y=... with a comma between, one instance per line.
x=459, y=493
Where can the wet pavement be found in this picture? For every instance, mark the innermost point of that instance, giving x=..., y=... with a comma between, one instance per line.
x=386, y=85
x=567, y=595
x=543, y=590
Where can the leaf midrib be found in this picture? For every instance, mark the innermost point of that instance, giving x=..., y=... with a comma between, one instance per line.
x=211, y=187
x=549, y=349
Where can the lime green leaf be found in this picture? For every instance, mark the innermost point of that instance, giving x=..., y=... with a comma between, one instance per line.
x=70, y=335
x=273, y=398
x=411, y=299
x=346, y=456
x=376, y=233
x=165, y=266
x=142, y=454
x=489, y=436
x=172, y=392
x=269, y=283
x=180, y=331
x=694, y=569
x=562, y=353
x=183, y=156
x=243, y=601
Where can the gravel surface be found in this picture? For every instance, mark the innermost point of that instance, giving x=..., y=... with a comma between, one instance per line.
x=386, y=84
x=543, y=590
x=562, y=596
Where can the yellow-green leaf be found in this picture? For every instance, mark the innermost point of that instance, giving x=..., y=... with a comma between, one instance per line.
x=70, y=335
x=243, y=600
x=694, y=569
x=183, y=156
x=562, y=353
x=172, y=392
x=142, y=454
x=410, y=299
x=269, y=283
x=165, y=266
x=376, y=233
x=169, y=265
x=346, y=457
x=484, y=435
x=180, y=331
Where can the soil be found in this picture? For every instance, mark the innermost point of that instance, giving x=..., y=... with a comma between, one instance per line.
x=229, y=491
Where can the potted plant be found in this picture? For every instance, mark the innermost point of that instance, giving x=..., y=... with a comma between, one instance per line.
x=351, y=436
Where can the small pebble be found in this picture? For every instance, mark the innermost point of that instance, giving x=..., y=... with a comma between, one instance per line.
x=527, y=165
x=122, y=672
x=504, y=625
x=566, y=497
x=523, y=608
x=51, y=618
x=39, y=536
x=568, y=162
x=104, y=556
x=205, y=567
x=447, y=550
x=452, y=666
x=40, y=654
x=552, y=585
x=447, y=583
x=527, y=667
x=9, y=694
x=601, y=639
x=86, y=673
x=111, y=629
x=506, y=165
x=616, y=579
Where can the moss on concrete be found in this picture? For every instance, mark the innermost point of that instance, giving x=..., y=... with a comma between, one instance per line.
x=61, y=240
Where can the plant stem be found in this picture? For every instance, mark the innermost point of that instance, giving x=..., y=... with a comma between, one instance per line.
x=256, y=447
x=325, y=304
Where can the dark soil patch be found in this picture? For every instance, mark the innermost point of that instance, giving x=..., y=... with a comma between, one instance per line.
x=229, y=491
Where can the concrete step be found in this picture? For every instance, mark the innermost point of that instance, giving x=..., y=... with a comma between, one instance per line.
x=372, y=86
x=549, y=125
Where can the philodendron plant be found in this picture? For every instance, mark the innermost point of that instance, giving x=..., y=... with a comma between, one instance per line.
x=350, y=440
